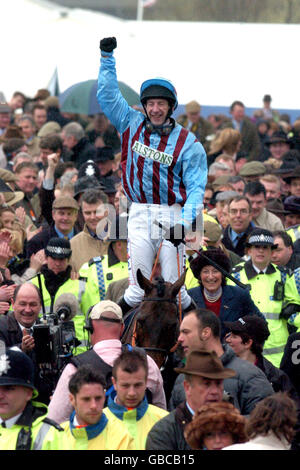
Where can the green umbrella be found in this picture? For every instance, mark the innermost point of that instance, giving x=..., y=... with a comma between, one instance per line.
x=81, y=98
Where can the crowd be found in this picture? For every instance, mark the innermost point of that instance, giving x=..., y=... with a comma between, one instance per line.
x=88, y=201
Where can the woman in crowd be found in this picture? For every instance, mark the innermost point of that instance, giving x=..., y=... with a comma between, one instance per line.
x=271, y=425
x=215, y=426
x=228, y=142
x=228, y=302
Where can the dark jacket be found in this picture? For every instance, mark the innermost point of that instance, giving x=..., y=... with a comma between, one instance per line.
x=279, y=380
x=235, y=303
x=82, y=152
x=10, y=331
x=40, y=240
x=167, y=433
x=290, y=362
x=246, y=388
x=239, y=249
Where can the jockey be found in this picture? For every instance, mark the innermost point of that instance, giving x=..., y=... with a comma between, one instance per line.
x=164, y=173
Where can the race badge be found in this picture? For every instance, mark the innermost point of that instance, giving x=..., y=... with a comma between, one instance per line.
x=153, y=154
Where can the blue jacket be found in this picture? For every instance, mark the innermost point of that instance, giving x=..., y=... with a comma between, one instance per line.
x=235, y=303
x=156, y=169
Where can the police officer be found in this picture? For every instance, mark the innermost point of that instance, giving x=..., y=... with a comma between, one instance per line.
x=271, y=290
x=101, y=271
x=23, y=422
x=56, y=279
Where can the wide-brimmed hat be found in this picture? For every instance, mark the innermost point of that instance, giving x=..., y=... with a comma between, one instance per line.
x=275, y=206
x=262, y=237
x=292, y=205
x=295, y=174
x=213, y=254
x=286, y=169
x=11, y=197
x=276, y=137
x=205, y=364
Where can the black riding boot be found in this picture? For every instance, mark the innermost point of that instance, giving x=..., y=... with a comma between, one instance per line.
x=124, y=306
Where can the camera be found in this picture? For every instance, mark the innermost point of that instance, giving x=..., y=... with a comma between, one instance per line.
x=55, y=338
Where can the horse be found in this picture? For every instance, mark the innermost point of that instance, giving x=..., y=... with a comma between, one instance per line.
x=154, y=324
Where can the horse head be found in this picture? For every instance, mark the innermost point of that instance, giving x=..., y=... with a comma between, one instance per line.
x=157, y=322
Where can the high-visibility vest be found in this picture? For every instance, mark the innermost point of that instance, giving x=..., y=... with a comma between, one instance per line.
x=294, y=232
x=99, y=275
x=45, y=434
x=262, y=290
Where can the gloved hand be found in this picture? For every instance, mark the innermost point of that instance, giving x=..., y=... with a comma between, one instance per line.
x=108, y=44
x=176, y=234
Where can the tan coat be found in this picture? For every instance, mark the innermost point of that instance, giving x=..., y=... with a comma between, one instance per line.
x=85, y=247
x=268, y=221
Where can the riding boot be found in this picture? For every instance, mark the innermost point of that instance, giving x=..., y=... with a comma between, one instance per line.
x=124, y=306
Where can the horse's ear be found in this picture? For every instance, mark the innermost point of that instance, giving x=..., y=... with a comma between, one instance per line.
x=178, y=284
x=144, y=283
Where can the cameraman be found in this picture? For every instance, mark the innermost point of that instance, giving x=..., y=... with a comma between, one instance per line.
x=56, y=280
x=16, y=328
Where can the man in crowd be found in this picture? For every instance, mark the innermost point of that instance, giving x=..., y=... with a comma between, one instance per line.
x=163, y=185
x=128, y=403
x=284, y=254
x=64, y=215
x=272, y=186
x=240, y=225
x=87, y=244
x=28, y=127
x=105, y=325
x=27, y=181
x=74, y=139
x=88, y=427
x=204, y=375
x=16, y=328
x=194, y=122
x=256, y=193
x=250, y=138
x=201, y=329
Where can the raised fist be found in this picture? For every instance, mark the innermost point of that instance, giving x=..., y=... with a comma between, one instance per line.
x=108, y=44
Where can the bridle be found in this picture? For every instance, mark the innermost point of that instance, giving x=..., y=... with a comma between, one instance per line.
x=153, y=349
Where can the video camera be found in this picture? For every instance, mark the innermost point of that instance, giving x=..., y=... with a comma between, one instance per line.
x=55, y=337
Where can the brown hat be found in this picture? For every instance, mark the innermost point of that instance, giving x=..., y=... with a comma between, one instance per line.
x=65, y=202
x=220, y=181
x=192, y=107
x=212, y=231
x=106, y=306
x=275, y=206
x=7, y=176
x=205, y=364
